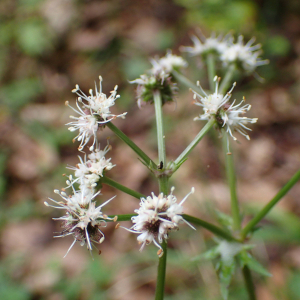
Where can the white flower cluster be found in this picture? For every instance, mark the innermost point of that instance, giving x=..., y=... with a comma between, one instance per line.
x=166, y=64
x=245, y=56
x=159, y=79
x=156, y=217
x=88, y=172
x=83, y=219
x=227, y=115
x=93, y=114
x=203, y=46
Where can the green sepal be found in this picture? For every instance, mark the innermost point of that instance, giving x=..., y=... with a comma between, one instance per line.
x=247, y=259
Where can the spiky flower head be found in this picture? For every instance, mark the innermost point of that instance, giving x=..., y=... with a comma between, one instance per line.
x=83, y=219
x=148, y=84
x=228, y=116
x=245, y=57
x=89, y=171
x=167, y=64
x=156, y=217
x=203, y=46
x=159, y=78
x=94, y=113
x=231, y=118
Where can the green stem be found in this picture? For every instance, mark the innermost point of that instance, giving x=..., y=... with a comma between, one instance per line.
x=249, y=227
x=131, y=144
x=211, y=71
x=212, y=228
x=163, y=182
x=226, y=80
x=249, y=283
x=230, y=173
x=161, y=273
x=163, y=188
x=160, y=128
x=185, y=81
x=122, y=217
x=193, y=144
x=121, y=187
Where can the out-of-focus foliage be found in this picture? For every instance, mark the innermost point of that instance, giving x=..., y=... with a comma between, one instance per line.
x=221, y=15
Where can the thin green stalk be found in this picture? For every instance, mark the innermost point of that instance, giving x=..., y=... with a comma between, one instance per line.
x=249, y=283
x=131, y=144
x=211, y=71
x=161, y=273
x=163, y=188
x=121, y=187
x=249, y=227
x=159, y=127
x=210, y=227
x=230, y=173
x=227, y=79
x=122, y=217
x=185, y=81
x=163, y=183
x=195, y=141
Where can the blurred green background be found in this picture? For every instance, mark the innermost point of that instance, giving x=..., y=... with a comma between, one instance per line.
x=48, y=46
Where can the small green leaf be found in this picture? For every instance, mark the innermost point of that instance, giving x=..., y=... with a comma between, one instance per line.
x=253, y=264
x=225, y=274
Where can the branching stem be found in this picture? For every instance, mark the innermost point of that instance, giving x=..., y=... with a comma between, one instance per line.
x=163, y=188
x=185, y=81
x=249, y=227
x=148, y=162
x=226, y=80
x=194, y=142
x=211, y=71
x=121, y=187
x=231, y=178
